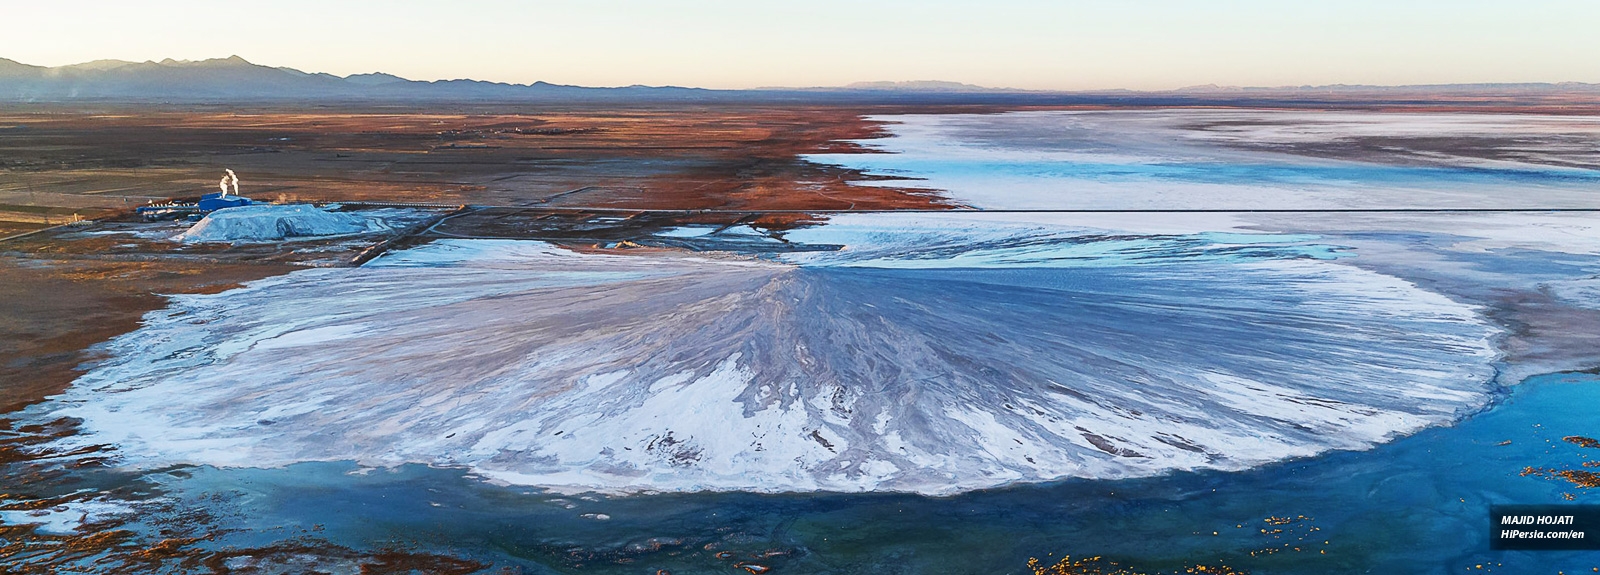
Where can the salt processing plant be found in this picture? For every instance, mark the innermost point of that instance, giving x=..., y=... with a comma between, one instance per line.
x=208, y=203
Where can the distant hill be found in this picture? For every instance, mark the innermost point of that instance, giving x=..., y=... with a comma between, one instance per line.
x=233, y=79
x=374, y=78
x=920, y=85
x=13, y=68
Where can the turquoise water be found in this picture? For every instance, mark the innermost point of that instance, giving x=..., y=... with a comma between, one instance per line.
x=1417, y=505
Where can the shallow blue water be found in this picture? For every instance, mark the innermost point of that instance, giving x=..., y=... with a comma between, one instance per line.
x=1309, y=160
x=1285, y=173
x=1417, y=505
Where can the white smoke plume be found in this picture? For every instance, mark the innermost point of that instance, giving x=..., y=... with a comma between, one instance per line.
x=228, y=178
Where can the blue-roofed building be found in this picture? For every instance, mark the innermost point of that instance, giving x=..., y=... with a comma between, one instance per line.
x=208, y=203
x=217, y=201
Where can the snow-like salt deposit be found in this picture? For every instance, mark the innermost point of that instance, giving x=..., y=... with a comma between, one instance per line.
x=271, y=222
x=1001, y=353
x=1225, y=159
x=67, y=518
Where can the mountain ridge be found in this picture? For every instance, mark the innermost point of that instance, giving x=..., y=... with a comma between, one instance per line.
x=235, y=79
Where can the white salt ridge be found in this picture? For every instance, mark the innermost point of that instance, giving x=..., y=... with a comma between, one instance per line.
x=537, y=366
x=65, y=519
x=1034, y=240
x=272, y=222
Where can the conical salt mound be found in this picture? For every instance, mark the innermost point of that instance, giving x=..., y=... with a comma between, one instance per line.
x=924, y=356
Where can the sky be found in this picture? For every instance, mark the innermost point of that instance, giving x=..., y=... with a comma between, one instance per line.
x=1032, y=44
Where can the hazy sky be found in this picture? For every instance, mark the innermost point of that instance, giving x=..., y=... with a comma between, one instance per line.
x=1141, y=44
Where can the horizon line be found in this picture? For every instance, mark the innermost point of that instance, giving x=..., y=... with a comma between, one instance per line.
x=926, y=85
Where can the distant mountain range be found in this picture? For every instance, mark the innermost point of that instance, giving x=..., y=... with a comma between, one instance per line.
x=234, y=79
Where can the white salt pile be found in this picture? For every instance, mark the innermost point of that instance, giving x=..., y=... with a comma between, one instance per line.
x=932, y=355
x=267, y=222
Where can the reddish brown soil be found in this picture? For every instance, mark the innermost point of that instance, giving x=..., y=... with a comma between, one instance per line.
x=8, y=229
x=682, y=158
x=52, y=312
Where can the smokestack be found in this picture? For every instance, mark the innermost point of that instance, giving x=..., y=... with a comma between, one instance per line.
x=235, y=178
